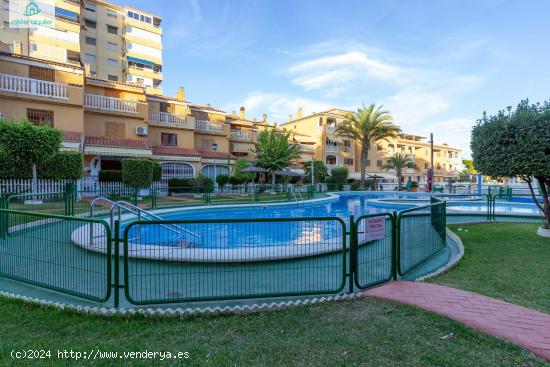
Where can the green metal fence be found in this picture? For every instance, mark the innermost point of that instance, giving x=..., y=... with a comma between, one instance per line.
x=39, y=250
x=373, y=242
x=420, y=235
x=233, y=259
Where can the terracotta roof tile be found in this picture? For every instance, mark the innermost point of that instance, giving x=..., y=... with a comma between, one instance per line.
x=214, y=155
x=116, y=142
x=159, y=150
x=207, y=108
x=72, y=136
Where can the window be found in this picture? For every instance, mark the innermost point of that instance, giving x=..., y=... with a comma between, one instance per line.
x=176, y=170
x=379, y=163
x=39, y=73
x=91, y=58
x=128, y=45
x=331, y=159
x=111, y=13
x=206, y=144
x=113, y=63
x=40, y=117
x=170, y=140
x=112, y=78
x=112, y=46
x=114, y=130
x=112, y=29
x=368, y=162
x=89, y=7
x=140, y=17
x=73, y=56
x=347, y=146
x=6, y=5
x=348, y=162
x=90, y=23
x=91, y=41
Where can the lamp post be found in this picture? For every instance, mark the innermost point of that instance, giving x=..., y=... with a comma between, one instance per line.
x=215, y=148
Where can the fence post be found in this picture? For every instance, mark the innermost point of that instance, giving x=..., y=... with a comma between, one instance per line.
x=352, y=251
x=69, y=199
x=116, y=284
x=396, y=243
x=3, y=226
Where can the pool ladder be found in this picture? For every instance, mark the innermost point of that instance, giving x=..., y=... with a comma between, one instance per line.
x=140, y=213
x=297, y=195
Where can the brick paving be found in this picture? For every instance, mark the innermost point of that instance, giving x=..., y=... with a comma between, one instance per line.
x=520, y=325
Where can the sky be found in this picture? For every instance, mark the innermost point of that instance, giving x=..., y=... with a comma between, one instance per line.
x=434, y=65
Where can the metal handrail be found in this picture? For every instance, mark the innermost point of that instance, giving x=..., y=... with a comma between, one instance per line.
x=139, y=211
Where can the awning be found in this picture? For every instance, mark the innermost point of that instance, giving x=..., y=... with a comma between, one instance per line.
x=304, y=139
x=240, y=148
x=140, y=61
x=176, y=158
x=117, y=151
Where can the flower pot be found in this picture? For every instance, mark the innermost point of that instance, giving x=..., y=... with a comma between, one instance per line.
x=543, y=232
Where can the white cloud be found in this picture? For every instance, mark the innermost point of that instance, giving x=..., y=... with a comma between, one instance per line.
x=455, y=132
x=278, y=106
x=344, y=69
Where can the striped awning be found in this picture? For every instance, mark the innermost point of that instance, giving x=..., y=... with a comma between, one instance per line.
x=140, y=61
x=117, y=151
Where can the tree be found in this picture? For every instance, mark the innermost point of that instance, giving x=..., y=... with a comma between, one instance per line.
x=238, y=175
x=29, y=144
x=274, y=151
x=137, y=173
x=320, y=171
x=339, y=175
x=367, y=126
x=399, y=162
x=516, y=142
x=222, y=180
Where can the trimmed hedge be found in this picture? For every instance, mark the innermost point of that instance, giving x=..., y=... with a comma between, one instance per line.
x=137, y=173
x=201, y=184
x=62, y=166
x=110, y=176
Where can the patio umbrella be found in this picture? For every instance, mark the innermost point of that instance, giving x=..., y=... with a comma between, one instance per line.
x=289, y=173
x=254, y=169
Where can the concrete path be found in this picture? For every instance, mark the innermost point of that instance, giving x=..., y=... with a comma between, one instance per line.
x=520, y=325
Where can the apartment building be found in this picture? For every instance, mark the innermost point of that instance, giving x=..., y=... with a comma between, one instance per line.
x=337, y=151
x=115, y=43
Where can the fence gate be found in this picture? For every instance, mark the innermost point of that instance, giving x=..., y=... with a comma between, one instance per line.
x=373, y=242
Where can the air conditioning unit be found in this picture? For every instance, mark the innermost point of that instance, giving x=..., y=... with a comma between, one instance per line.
x=141, y=130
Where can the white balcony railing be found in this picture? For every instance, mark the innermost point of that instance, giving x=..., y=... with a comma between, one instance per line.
x=410, y=171
x=331, y=148
x=331, y=129
x=110, y=103
x=157, y=117
x=331, y=166
x=33, y=87
x=241, y=135
x=307, y=148
x=215, y=127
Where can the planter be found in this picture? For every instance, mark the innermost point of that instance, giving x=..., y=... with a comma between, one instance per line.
x=543, y=232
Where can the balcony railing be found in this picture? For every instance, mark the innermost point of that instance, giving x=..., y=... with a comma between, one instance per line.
x=33, y=87
x=331, y=166
x=214, y=127
x=331, y=129
x=410, y=171
x=307, y=148
x=110, y=103
x=331, y=148
x=157, y=117
x=241, y=135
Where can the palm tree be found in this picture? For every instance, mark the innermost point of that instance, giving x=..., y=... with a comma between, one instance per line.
x=275, y=152
x=367, y=126
x=399, y=162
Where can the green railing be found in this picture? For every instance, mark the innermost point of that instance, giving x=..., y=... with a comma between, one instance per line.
x=225, y=259
x=39, y=250
x=420, y=235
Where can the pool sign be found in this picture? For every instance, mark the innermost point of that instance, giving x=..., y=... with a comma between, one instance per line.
x=374, y=228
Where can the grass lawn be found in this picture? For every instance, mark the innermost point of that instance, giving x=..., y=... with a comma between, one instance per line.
x=507, y=261
x=360, y=332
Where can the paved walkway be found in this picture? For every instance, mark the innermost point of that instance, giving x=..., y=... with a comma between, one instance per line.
x=520, y=325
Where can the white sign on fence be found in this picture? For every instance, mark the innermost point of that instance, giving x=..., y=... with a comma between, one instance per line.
x=373, y=228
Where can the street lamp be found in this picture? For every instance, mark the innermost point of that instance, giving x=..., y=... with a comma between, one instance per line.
x=214, y=148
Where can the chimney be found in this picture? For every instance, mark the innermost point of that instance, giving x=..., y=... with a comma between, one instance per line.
x=289, y=117
x=242, y=114
x=264, y=118
x=181, y=94
x=299, y=114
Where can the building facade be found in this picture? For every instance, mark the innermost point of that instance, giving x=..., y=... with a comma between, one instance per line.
x=97, y=75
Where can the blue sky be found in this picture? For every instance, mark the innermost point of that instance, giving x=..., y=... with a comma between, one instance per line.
x=435, y=65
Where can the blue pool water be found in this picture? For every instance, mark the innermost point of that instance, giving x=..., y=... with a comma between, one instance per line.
x=273, y=233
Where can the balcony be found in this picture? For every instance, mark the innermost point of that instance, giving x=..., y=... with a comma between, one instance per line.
x=331, y=166
x=241, y=135
x=208, y=126
x=33, y=87
x=331, y=148
x=307, y=148
x=165, y=118
x=410, y=171
x=110, y=104
x=331, y=129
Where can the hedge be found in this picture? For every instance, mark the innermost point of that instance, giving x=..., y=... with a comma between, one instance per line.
x=62, y=166
x=201, y=184
x=137, y=173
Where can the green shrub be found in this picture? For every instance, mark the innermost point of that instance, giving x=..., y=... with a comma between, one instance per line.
x=239, y=176
x=12, y=168
x=234, y=180
x=205, y=183
x=320, y=171
x=339, y=175
x=110, y=176
x=62, y=166
x=137, y=173
x=157, y=171
x=201, y=184
x=222, y=180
